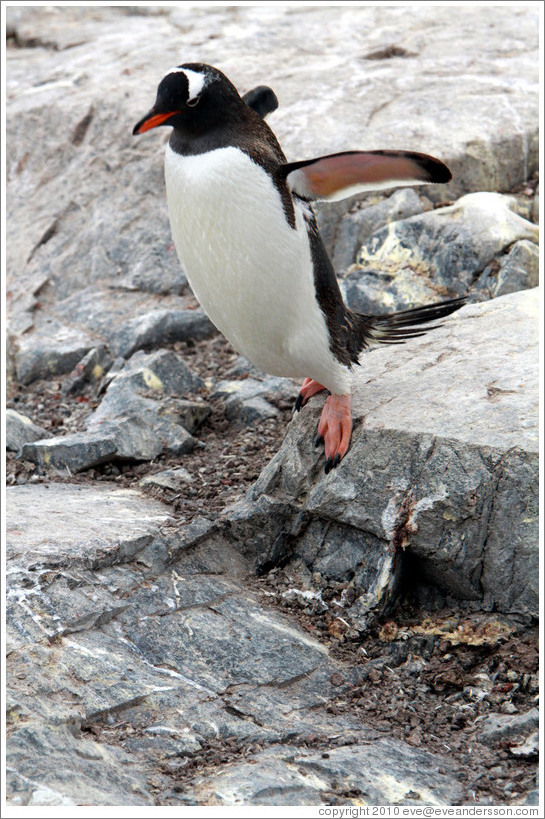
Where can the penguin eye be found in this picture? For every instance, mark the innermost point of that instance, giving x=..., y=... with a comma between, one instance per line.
x=192, y=103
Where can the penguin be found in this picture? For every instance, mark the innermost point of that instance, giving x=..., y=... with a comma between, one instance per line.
x=246, y=235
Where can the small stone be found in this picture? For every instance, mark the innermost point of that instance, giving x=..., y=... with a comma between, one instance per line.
x=508, y=708
x=528, y=748
x=21, y=430
x=168, y=479
x=90, y=370
x=73, y=453
x=497, y=727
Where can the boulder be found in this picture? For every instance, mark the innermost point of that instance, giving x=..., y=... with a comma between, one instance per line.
x=449, y=251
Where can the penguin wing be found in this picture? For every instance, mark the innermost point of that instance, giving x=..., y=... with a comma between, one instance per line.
x=262, y=99
x=338, y=176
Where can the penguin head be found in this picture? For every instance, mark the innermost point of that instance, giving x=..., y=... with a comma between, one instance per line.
x=192, y=97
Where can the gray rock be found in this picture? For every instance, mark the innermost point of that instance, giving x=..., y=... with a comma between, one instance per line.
x=72, y=453
x=157, y=663
x=497, y=727
x=54, y=350
x=160, y=327
x=527, y=749
x=191, y=414
x=57, y=766
x=517, y=270
x=243, y=368
x=133, y=322
x=380, y=773
x=357, y=227
x=246, y=401
x=52, y=525
x=167, y=479
x=416, y=260
x=139, y=417
x=90, y=370
x=442, y=468
x=105, y=631
x=160, y=373
x=21, y=430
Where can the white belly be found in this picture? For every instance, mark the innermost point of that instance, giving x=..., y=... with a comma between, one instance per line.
x=251, y=272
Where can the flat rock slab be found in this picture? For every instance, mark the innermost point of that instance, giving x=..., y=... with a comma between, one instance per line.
x=443, y=468
x=56, y=525
x=379, y=773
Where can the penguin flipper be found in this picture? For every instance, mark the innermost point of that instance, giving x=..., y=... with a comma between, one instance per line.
x=262, y=99
x=338, y=176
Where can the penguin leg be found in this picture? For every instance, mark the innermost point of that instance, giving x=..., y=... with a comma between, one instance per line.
x=335, y=429
x=308, y=389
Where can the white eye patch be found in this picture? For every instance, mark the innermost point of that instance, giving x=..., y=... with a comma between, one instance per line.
x=196, y=82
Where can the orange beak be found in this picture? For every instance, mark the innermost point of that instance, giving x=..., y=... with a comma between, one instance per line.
x=152, y=120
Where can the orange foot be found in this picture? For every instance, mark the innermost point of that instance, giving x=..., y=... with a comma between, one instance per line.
x=308, y=389
x=335, y=429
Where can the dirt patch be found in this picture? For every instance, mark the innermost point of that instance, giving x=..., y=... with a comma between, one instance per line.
x=432, y=679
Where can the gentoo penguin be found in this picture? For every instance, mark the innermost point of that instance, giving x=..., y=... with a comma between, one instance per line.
x=247, y=238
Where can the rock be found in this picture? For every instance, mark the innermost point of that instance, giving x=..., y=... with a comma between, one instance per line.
x=192, y=414
x=72, y=453
x=21, y=430
x=356, y=228
x=413, y=260
x=163, y=372
x=91, y=369
x=139, y=418
x=78, y=538
x=246, y=400
x=57, y=766
x=380, y=773
x=535, y=207
x=498, y=727
x=167, y=479
x=134, y=322
x=517, y=270
x=160, y=327
x=242, y=368
x=528, y=748
x=55, y=350
x=442, y=471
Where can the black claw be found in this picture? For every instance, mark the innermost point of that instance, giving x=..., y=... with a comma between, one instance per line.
x=318, y=441
x=336, y=460
x=328, y=464
x=298, y=402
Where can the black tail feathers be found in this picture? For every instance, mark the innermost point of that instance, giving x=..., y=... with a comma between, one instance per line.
x=397, y=328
